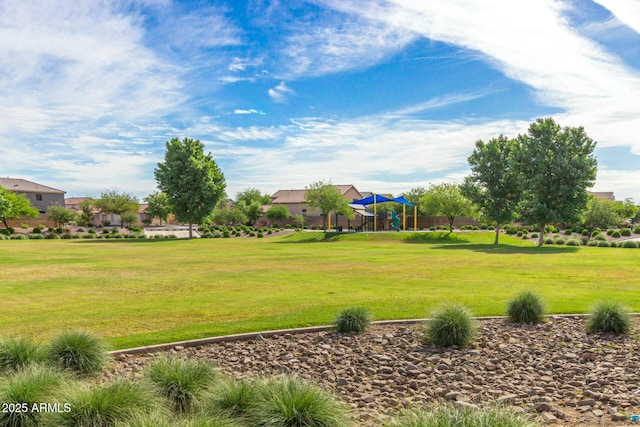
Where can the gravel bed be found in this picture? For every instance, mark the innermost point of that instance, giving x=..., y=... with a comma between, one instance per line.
x=554, y=371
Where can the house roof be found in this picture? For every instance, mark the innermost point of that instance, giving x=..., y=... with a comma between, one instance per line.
x=23, y=186
x=297, y=196
x=607, y=195
x=70, y=201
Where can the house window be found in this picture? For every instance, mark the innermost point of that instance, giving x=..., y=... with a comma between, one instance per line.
x=38, y=197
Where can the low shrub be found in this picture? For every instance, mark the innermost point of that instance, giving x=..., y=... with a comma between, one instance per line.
x=610, y=232
x=3, y=237
x=78, y=351
x=35, y=236
x=573, y=242
x=519, y=234
x=182, y=382
x=226, y=234
x=559, y=241
x=614, y=244
x=568, y=232
x=636, y=230
x=450, y=325
x=17, y=353
x=289, y=401
x=603, y=244
x=216, y=235
x=609, y=316
x=260, y=235
x=549, y=241
x=526, y=307
x=24, y=226
x=592, y=243
x=491, y=228
x=534, y=235
x=353, y=319
x=105, y=405
x=36, y=230
x=19, y=237
x=91, y=231
x=600, y=237
x=30, y=386
x=629, y=244
x=625, y=232
x=233, y=397
x=463, y=416
x=615, y=233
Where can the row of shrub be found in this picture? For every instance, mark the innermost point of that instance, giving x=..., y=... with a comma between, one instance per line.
x=453, y=325
x=55, y=236
x=175, y=392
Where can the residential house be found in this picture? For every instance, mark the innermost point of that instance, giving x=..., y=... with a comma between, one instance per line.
x=99, y=218
x=40, y=196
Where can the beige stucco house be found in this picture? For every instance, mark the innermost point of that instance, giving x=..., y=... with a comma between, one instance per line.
x=40, y=196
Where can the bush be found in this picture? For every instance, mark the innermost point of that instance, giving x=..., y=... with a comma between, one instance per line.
x=35, y=236
x=463, y=416
x=615, y=233
x=19, y=237
x=614, y=244
x=450, y=325
x=491, y=228
x=609, y=316
x=3, y=237
x=182, y=383
x=600, y=237
x=78, y=351
x=17, y=353
x=289, y=401
x=549, y=241
x=226, y=234
x=558, y=241
x=36, y=230
x=353, y=319
x=91, y=231
x=568, y=232
x=30, y=386
x=260, y=235
x=625, y=232
x=636, y=230
x=573, y=242
x=629, y=244
x=526, y=307
x=603, y=244
x=534, y=235
x=105, y=404
x=592, y=243
x=233, y=398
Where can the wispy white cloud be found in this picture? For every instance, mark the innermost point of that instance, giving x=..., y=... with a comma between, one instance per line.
x=627, y=11
x=249, y=111
x=280, y=92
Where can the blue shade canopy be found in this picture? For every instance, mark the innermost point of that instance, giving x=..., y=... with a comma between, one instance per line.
x=381, y=199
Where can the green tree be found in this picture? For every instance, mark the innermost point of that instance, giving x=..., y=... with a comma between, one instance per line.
x=250, y=195
x=600, y=213
x=129, y=219
x=61, y=215
x=158, y=206
x=278, y=213
x=113, y=202
x=15, y=206
x=325, y=197
x=557, y=167
x=85, y=216
x=446, y=199
x=192, y=180
x=228, y=215
x=626, y=209
x=494, y=184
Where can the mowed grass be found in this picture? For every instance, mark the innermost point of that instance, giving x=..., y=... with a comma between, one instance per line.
x=144, y=292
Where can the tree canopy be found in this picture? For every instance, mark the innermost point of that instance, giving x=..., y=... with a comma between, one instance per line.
x=324, y=196
x=61, y=215
x=557, y=167
x=446, y=199
x=278, y=213
x=15, y=206
x=114, y=202
x=192, y=180
x=158, y=206
x=494, y=186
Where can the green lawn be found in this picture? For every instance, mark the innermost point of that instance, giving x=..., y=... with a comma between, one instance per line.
x=143, y=292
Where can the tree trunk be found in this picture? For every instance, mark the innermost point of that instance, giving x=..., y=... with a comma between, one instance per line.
x=451, y=219
x=190, y=231
x=495, y=242
x=541, y=241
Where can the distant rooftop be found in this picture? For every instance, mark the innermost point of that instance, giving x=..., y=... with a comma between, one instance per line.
x=19, y=185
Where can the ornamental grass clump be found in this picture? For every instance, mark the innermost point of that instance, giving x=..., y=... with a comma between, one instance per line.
x=353, y=319
x=526, y=307
x=289, y=401
x=16, y=353
x=182, y=382
x=463, y=416
x=78, y=351
x=233, y=397
x=451, y=325
x=609, y=316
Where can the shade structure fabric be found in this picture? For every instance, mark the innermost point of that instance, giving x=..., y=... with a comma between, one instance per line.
x=377, y=198
x=360, y=210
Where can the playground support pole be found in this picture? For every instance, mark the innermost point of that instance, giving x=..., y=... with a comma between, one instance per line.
x=415, y=217
x=375, y=213
x=404, y=217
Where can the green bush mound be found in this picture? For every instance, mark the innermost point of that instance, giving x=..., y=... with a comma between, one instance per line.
x=353, y=319
x=182, y=382
x=79, y=352
x=289, y=401
x=232, y=397
x=526, y=307
x=17, y=353
x=450, y=325
x=465, y=416
x=609, y=316
x=573, y=242
x=629, y=244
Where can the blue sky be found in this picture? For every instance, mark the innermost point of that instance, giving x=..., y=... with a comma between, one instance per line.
x=387, y=97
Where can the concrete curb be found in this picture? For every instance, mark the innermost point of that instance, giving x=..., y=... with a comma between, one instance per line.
x=266, y=334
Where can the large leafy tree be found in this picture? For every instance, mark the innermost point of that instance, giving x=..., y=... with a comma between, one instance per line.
x=278, y=213
x=494, y=186
x=324, y=196
x=158, y=206
x=446, y=199
x=557, y=167
x=600, y=213
x=192, y=180
x=251, y=201
x=114, y=202
x=15, y=206
x=61, y=215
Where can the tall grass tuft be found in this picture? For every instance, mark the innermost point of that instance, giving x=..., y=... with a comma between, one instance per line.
x=233, y=397
x=526, y=307
x=447, y=415
x=450, y=325
x=609, y=316
x=16, y=353
x=78, y=351
x=106, y=404
x=288, y=401
x=32, y=385
x=182, y=382
x=353, y=319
